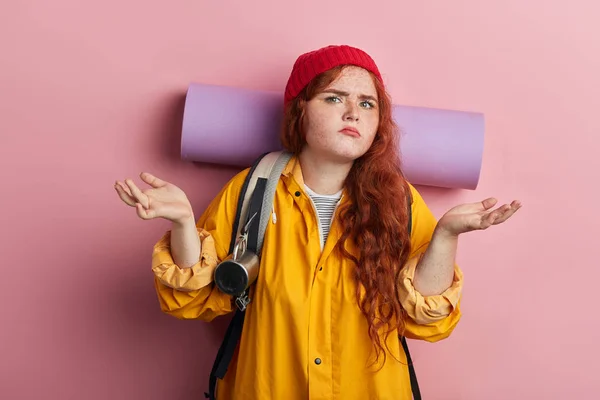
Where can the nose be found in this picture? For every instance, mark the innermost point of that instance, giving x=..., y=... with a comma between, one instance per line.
x=351, y=112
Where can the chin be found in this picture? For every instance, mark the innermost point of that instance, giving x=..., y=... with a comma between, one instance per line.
x=337, y=153
x=345, y=157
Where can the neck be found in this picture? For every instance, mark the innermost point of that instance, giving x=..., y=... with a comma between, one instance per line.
x=323, y=175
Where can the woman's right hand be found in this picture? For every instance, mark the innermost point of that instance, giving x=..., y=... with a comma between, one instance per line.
x=161, y=200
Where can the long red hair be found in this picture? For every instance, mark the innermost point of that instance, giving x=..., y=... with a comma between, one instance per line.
x=376, y=218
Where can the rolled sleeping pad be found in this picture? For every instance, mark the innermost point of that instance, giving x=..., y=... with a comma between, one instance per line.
x=233, y=126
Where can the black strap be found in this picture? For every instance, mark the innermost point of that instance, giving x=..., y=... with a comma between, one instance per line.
x=225, y=353
x=238, y=211
x=234, y=330
x=411, y=371
x=254, y=210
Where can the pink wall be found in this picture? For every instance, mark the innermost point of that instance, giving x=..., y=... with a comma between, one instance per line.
x=91, y=92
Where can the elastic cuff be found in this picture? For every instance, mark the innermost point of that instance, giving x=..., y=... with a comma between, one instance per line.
x=185, y=279
x=428, y=309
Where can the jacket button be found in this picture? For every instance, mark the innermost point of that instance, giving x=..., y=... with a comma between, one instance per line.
x=317, y=361
x=297, y=194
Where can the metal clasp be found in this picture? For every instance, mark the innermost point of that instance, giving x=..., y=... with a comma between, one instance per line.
x=242, y=302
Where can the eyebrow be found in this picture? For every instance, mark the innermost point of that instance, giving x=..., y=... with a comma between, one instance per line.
x=346, y=94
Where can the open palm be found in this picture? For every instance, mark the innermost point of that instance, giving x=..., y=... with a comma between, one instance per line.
x=161, y=200
x=476, y=216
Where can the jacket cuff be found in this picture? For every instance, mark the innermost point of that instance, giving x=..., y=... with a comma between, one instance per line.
x=185, y=279
x=428, y=309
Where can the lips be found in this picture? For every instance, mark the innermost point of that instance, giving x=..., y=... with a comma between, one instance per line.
x=350, y=131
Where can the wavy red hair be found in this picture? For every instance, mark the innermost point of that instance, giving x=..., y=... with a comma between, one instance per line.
x=376, y=217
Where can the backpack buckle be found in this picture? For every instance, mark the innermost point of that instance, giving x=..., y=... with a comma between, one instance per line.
x=242, y=302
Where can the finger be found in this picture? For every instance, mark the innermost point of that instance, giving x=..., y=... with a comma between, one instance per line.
x=505, y=216
x=124, y=187
x=489, y=203
x=144, y=213
x=483, y=205
x=507, y=211
x=152, y=180
x=488, y=220
x=124, y=195
x=137, y=193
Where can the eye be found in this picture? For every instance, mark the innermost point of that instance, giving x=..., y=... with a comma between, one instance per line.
x=367, y=104
x=333, y=99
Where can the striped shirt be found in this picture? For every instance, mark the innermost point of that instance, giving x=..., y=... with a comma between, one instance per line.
x=325, y=206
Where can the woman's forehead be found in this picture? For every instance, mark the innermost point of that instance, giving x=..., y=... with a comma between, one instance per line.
x=354, y=79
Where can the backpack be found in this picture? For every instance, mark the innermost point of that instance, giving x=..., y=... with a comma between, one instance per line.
x=256, y=199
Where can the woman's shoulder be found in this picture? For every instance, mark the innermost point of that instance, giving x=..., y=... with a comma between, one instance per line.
x=418, y=205
x=415, y=195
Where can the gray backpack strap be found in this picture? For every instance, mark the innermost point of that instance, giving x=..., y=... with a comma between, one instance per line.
x=279, y=160
x=269, y=167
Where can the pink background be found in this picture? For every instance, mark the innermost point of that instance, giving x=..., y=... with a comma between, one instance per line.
x=91, y=92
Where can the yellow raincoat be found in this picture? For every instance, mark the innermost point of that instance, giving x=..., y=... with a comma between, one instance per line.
x=304, y=336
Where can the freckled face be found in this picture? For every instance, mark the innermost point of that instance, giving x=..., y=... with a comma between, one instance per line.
x=342, y=121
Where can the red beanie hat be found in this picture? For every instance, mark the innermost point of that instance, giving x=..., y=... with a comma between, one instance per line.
x=313, y=63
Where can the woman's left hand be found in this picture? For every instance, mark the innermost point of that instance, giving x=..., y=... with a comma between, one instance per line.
x=475, y=216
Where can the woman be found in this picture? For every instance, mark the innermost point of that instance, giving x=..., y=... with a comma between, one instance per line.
x=340, y=278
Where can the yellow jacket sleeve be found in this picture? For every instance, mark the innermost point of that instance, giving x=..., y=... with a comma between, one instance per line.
x=431, y=318
x=190, y=293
